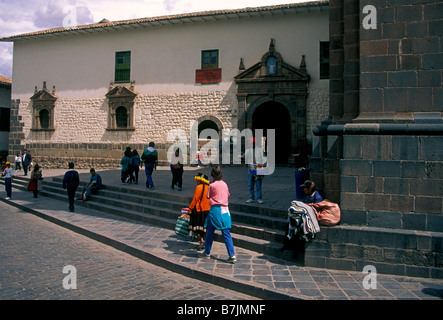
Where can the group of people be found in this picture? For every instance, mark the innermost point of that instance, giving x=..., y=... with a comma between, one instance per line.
x=71, y=181
x=24, y=160
x=130, y=166
x=209, y=209
x=34, y=185
x=132, y=162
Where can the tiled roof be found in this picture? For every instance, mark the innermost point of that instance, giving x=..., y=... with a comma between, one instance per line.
x=5, y=80
x=214, y=15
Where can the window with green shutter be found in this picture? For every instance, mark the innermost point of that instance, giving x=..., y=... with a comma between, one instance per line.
x=123, y=66
x=209, y=59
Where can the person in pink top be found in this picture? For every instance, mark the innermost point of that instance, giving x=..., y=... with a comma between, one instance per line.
x=219, y=217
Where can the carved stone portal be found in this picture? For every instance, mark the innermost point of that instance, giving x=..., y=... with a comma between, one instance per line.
x=43, y=106
x=272, y=95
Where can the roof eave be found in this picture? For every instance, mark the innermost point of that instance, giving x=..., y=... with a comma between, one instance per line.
x=198, y=17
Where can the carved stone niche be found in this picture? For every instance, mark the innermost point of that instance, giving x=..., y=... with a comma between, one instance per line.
x=121, y=100
x=43, y=108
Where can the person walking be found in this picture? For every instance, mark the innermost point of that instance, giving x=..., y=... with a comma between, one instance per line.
x=256, y=171
x=219, y=217
x=27, y=159
x=18, y=162
x=177, y=170
x=135, y=163
x=71, y=181
x=199, y=209
x=126, y=167
x=34, y=184
x=150, y=158
x=8, y=175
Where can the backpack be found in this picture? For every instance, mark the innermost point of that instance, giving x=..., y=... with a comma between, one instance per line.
x=136, y=161
x=73, y=180
x=303, y=220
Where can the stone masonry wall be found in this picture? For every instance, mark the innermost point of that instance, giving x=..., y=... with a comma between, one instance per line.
x=389, y=177
x=401, y=61
x=80, y=126
x=317, y=109
x=393, y=181
x=80, y=133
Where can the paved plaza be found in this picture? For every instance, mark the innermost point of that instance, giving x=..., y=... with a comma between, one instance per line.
x=254, y=274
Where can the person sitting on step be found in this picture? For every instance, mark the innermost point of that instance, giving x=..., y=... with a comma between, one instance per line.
x=95, y=184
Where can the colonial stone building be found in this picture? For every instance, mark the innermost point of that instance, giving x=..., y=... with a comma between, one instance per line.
x=380, y=154
x=86, y=93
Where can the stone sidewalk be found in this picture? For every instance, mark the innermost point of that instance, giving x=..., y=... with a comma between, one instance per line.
x=256, y=274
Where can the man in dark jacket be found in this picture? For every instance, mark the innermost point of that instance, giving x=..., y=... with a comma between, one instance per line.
x=150, y=158
x=71, y=181
x=26, y=161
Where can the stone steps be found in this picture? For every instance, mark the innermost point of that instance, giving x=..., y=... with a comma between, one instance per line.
x=342, y=247
x=391, y=251
x=160, y=210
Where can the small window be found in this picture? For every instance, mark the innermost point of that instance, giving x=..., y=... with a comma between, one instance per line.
x=123, y=66
x=209, y=59
x=121, y=117
x=207, y=124
x=324, y=60
x=44, y=119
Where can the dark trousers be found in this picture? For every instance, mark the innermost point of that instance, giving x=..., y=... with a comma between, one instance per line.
x=149, y=168
x=134, y=173
x=8, y=187
x=177, y=177
x=71, y=196
x=124, y=176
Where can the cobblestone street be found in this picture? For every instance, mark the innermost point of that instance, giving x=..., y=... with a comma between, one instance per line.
x=33, y=253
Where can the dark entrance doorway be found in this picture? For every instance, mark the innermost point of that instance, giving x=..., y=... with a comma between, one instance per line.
x=274, y=115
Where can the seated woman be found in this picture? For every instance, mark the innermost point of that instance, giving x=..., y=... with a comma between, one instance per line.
x=311, y=195
x=294, y=240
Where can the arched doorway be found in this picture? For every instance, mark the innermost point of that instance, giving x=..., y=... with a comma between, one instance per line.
x=272, y=94
x=274, y=115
